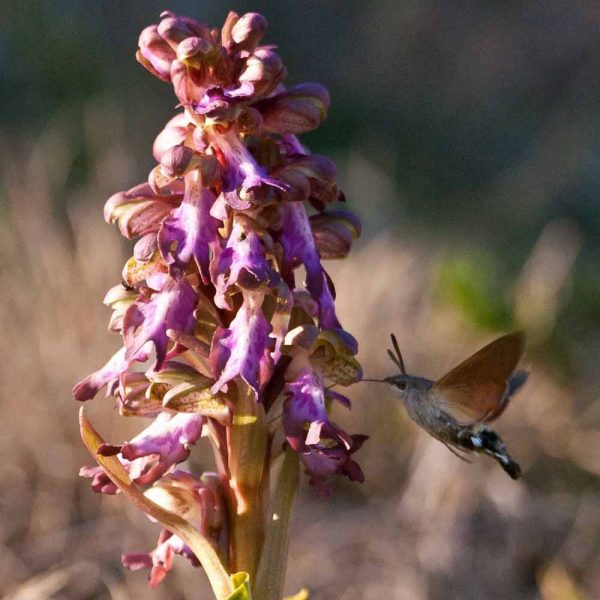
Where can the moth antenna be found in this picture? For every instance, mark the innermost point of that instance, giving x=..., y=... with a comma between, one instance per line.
x=394, y=359
x=398, y=358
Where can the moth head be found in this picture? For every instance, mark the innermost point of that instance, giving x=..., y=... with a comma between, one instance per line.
x=399, y=384
x=402, y=385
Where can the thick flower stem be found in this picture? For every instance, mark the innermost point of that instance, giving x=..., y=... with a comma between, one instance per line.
x=271, y=571
x=247, y=441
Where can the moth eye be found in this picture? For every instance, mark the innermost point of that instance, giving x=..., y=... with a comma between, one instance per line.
x=401, y=385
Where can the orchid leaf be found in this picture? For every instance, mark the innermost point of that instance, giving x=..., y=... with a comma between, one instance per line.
x=202, y=548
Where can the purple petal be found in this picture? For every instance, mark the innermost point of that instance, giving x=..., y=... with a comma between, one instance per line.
x=325, y=449
x=169, y=437
x=304, y=407
x=241, y=263
x=190, y=231
x=149, y=318
x=142, y=471
x=244, y=348
x=327, y=316
x=159, y=561
x=92, y=384
x=324, y=462
x=343, y=400
x=245, y=181
x=220, y=105
x=299, y=248
x=101, y=482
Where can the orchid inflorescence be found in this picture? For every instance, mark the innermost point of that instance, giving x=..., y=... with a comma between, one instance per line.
x=218, y=340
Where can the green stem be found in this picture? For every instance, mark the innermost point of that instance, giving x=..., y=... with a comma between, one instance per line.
x=247, y=441
x=271, y=571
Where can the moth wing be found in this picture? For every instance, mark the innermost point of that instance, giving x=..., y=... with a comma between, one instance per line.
x=476, y=390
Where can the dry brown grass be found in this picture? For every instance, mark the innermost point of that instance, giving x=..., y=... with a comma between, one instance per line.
x=424, y=525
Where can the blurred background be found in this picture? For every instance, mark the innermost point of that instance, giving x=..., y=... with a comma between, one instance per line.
x=467, y=136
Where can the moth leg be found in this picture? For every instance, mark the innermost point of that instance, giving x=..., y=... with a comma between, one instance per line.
x=456, y=453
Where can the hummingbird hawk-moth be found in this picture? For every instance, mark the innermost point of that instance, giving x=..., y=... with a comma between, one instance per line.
x=456, y=408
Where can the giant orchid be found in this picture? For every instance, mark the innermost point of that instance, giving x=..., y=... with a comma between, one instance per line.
x=220, y=336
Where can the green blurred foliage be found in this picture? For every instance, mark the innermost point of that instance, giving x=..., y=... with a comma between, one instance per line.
x=476, y=287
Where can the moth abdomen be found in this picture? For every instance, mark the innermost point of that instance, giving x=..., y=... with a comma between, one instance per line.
x=489, y=442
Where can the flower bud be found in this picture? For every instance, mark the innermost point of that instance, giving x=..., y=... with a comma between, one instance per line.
x=231, y=19
x=247, y=32
x=193, y=47
x=174, y=29
x=144, y=248
x=139, y=210
x=264, y=70
x=311, y=177
x=155, y=54
x=119, y=299
x=334, y=232
x=176, y=161
x=197, y=501
x=174, y=133
x=297, y=110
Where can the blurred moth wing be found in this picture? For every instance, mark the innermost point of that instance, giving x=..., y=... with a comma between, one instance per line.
x=478, y=389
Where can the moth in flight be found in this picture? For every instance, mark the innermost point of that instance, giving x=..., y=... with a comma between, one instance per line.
x=457, y=408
